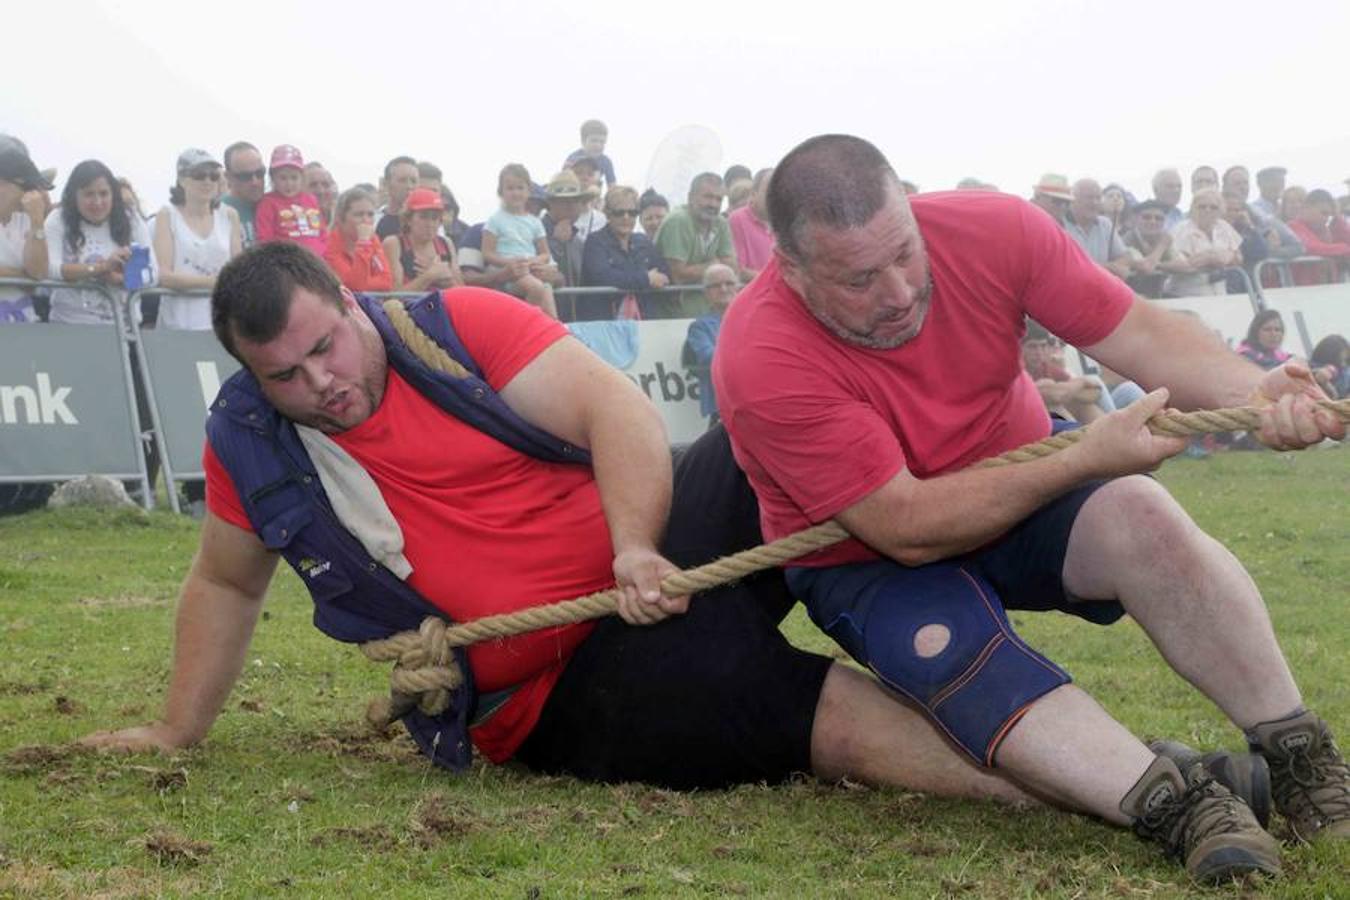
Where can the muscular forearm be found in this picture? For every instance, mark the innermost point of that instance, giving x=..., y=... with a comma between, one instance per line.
x=927, y=520
x=214, y=627
x=1157, y=348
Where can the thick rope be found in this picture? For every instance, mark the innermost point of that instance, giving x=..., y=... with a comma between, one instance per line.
x=425, y=672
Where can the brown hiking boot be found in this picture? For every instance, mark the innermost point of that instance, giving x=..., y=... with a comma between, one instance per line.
x=1245, y=774
x=1200, y=822
x=1309, y=776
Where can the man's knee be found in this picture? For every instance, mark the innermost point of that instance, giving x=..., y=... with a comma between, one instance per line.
x=930, y=640
x=1141, y=517
x=940, y=637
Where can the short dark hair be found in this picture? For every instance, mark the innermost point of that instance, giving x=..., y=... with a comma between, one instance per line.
x=235, y=148
x=398, y=161
x=429, y=170
x=703, y=178
x=253, y=292
x=651, y=198
x=593, y=126
x=1228, y=172
x=1319, y=195
x=736, y=173
x=1147, y=205
x=835, y=180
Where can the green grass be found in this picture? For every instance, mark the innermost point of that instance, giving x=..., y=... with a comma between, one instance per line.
x=289, y=796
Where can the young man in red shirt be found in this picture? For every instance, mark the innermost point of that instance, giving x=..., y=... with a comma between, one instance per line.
x=683, y=694
x=875, y=360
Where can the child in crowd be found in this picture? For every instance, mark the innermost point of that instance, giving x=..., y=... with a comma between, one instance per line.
x=720, y=285
x=514, y=239
x=288, y=212
x=594, y=134
x=1331, y=365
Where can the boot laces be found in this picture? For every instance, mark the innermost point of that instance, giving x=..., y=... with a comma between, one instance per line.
x=1204, y=809
x=1313, y=784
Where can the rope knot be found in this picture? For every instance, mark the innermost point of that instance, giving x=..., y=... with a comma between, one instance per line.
x=424, y=675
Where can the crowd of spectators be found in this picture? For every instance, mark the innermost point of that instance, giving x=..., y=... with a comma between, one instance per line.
x=584, y=228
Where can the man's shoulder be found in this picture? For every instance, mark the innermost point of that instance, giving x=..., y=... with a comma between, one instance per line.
x=967, y=208
x=975, y=218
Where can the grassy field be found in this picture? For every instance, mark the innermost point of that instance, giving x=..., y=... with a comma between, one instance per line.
x=290, y=796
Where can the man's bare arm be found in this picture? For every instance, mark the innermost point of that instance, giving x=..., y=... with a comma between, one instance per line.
x=1156, y=348
x=217, y=609
x=916, y=521
x=570, y=392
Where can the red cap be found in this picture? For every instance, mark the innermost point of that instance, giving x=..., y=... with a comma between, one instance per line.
x=286, y=155
x=423, y=198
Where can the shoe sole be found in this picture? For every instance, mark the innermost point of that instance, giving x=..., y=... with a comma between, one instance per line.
x=1227, y=863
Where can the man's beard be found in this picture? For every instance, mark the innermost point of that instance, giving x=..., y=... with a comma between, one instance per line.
x=869, y=340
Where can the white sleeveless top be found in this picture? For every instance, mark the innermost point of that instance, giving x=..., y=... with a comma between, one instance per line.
x=194, y=255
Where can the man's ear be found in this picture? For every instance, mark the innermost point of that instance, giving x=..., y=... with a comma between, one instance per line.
x=349, y=303
x=791, y=271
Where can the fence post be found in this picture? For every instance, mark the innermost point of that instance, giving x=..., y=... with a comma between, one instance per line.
x=156, y=421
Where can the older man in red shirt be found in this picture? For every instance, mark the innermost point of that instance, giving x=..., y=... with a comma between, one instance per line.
x=875, y=360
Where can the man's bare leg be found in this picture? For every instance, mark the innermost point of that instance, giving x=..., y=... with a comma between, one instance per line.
x=865, y=733
x=1134, y=543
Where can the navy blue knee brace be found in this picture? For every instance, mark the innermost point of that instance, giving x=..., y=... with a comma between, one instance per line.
x=982, y=681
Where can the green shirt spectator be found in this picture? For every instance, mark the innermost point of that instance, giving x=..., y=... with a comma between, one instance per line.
x=692, y=238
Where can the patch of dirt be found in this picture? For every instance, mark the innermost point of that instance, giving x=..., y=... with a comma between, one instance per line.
x=34, y=759
x=435, y=818
x=361, y=743
x=253, y=706
x=121, y=601
x=163, y=781
x=62, y=778
x=377, y=838
x=68, y=707
x=170, y=849
x=132, y=711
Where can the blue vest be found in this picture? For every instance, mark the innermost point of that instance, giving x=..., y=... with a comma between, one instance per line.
x=356, y=599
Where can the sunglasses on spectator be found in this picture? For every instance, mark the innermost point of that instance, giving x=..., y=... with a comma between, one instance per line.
x=255, y=175
x=626, y=213
x=1207, y=206
x=208, y=175
x=1151, y=217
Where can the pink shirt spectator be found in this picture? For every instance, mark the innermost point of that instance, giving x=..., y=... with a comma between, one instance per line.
x=752, y=239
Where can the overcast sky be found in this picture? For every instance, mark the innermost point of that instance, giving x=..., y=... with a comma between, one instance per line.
x=997, y=90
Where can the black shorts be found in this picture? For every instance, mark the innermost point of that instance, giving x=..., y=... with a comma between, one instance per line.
x=709, y=699
x=1025, y=566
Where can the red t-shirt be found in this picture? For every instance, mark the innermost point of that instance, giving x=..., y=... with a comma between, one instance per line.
x=486, y=529
x=818, y=424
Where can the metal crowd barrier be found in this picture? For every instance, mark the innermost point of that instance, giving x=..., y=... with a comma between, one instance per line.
x=1283, y=274
x=121, y=335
